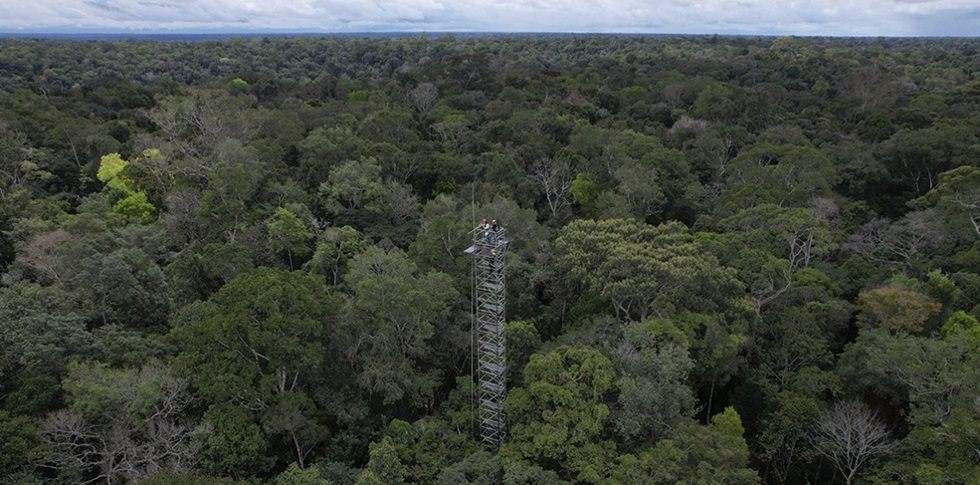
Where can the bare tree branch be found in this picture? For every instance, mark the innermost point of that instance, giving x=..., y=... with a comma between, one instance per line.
x=850, y=434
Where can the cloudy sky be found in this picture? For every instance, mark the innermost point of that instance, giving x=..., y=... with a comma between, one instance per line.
x=776, y=17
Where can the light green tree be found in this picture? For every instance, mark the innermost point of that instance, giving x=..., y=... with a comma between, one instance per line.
x=644, y=270
x=785, y=175
x=559, y=417
x=334, y=250
x=428, y=446
x=710, y=454
x=287, y=233
x=352, y=185
x=384, y=466
x=129, y=202
x=585, y=193
x=294, y=475
x=961, y=322
x=717, y=453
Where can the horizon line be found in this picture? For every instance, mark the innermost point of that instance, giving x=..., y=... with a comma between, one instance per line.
x=63, y=33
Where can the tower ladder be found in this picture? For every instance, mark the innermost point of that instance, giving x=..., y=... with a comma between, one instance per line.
x=489, y=249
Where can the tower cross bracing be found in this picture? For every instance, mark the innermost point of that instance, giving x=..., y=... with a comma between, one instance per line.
x=489, y=248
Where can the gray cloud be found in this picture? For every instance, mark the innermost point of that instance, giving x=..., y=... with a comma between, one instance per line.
x=801, y=17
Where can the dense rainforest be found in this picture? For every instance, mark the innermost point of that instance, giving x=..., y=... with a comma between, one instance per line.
x=733, y=260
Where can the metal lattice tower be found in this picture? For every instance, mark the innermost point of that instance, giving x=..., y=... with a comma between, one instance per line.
x=489, y=249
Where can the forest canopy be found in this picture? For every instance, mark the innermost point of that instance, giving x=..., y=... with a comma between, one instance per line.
x=241, y=260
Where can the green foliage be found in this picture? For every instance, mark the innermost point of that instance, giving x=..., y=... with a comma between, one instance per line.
x=457, y=407
x=251, y=345
x=717, y=453
x=928, y=458
x=795, y=234
x=35, y=335
x=785, y=436
x=958, y=195
x=336, y=246
x=926, y=377
x=322, y=149
x=961, y=322
x=125, y=287
x=287, y=233
x=367, y=95
x=523, y=340
x=110, y=167
x=384, y=467
x=478, y=468
x=149, y=187
x=168, y=477
x=20, y=446
x=644, y=270
x=352, y=185
x=265, y=313
x=294, y=475
x=585, y=193
x=915, y=156
x=875, y=127
x=232, y=443
x=521, y=472
x=785, y=175
x=387, y=329
x=127, y=347
x=661, y=463
x=768, y=244
x=442, y=237
x=133, y=204
x=428, y=446
x=238, y=84
x=135, y=207
x=653, y=393
x=558, y=417
x=937, y=454
x=197, y=272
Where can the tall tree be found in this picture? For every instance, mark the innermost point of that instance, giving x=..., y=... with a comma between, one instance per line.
x=654, y=397
x=255, y=343
x=288, y=233
x=558, y=418
x=644, y=270
x=785, y=175
x=386, y=331
x=958, y=193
